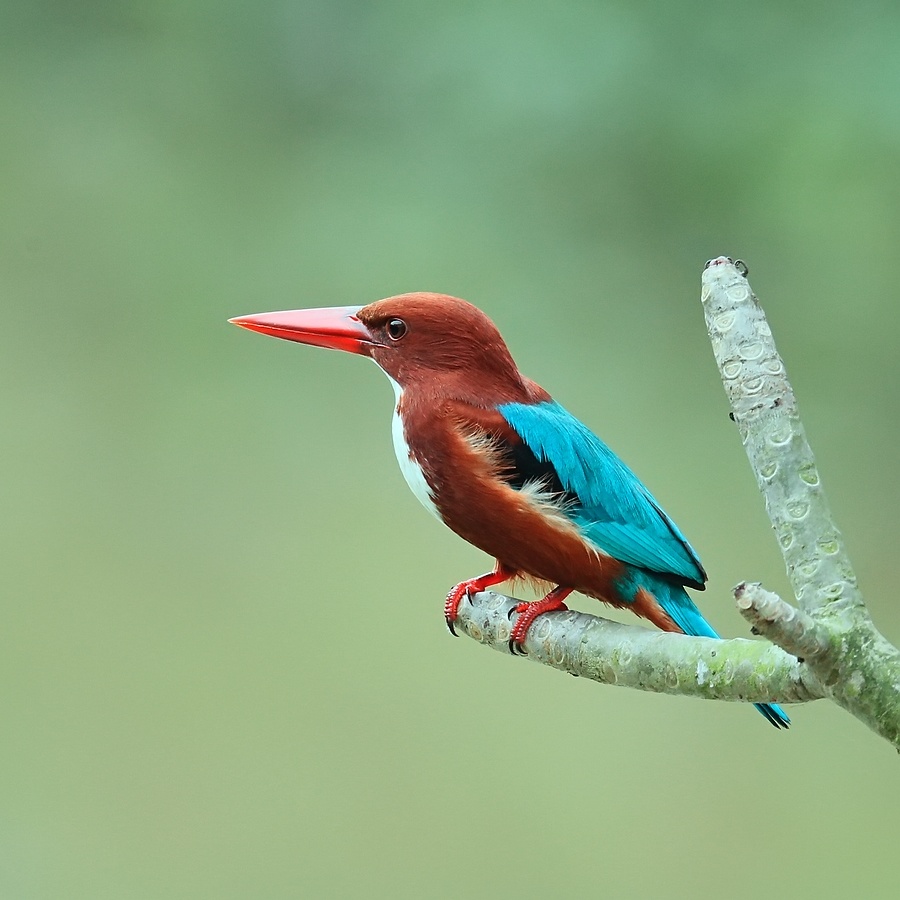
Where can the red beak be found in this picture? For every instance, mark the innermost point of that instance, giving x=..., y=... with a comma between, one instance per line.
x=336, y=327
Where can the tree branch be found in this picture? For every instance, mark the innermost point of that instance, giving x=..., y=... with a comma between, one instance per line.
x=858, y=667
x=826, y=648
x=765, y=410
x=781, y=623
x=633, y=656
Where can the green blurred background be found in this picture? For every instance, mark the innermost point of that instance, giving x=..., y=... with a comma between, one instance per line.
x=225, y=672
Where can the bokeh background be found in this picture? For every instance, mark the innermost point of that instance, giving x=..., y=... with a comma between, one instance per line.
x=224, y=670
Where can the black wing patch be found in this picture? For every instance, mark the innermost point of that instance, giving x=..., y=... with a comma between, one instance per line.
x=521, y=466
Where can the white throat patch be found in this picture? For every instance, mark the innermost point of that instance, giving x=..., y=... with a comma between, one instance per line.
x=410, y=468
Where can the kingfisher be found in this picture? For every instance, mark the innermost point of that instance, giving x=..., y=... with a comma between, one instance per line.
x=489, y=453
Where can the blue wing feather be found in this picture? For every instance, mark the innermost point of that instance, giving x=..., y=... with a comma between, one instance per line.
x=613, y=509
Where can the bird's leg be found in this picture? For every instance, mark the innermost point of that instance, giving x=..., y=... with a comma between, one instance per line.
x=528, y=612
x=473, y=586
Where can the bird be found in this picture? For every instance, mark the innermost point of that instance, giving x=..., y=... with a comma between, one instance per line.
x=493, y=456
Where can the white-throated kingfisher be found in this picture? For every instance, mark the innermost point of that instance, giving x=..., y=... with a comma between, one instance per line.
x=497, y=460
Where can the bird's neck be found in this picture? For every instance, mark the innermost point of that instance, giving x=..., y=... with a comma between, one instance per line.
x=468, y=387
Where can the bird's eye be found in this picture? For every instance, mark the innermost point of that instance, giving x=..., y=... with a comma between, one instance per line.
x=396, y=328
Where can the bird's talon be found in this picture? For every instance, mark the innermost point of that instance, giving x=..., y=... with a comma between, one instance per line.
x=517, y=609
x=465, y=590
x=515, y=648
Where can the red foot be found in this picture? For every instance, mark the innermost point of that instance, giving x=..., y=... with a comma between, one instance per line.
x=528, y=612
x=472, y=586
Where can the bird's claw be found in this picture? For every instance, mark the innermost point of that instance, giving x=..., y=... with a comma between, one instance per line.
x=516, y=642
x=528, y=612
x=451, y=605
x=465, y=589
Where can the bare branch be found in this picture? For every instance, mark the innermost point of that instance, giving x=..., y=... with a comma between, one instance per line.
x=765, y=410
x=633, y=656
x=783, y=624
x=858, y=667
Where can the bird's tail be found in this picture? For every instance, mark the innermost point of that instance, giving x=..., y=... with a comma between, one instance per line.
x=673, y=598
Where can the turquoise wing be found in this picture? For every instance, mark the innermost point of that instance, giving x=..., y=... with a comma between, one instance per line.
x=606, y=499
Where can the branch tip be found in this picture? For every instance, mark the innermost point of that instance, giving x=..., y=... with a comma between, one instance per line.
x=790, y=628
